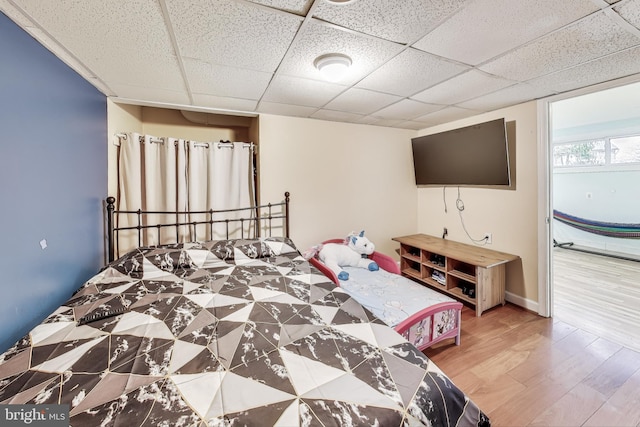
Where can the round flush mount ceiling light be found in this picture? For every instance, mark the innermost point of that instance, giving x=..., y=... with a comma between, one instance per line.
x=333, y=66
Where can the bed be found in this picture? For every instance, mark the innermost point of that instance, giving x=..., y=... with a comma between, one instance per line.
x=229, y=332
x=421, y=315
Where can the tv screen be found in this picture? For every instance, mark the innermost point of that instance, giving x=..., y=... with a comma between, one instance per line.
x=469, y=156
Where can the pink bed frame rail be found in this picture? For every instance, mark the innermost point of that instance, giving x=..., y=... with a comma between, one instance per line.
x=412, y=328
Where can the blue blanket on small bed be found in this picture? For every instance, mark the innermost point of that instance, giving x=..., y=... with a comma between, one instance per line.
x=391, y=297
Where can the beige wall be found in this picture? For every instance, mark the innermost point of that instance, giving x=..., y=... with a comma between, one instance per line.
x=511, y=216
x=342, y=177
x=345, y=177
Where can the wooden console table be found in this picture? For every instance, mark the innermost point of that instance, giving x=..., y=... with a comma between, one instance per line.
x=457, y=266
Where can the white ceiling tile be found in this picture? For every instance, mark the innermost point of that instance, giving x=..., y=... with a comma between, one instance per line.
x=226, y=81
x=410, y=72
x=296, y=91
x=164, y=96
x=591, y=38
x=361, y=101
x=511, y=95
x=300, y=7
x=224, y=103
x=448, y=114
x=411, y=125
x=317, y=38
x=492, y=27
x=368, y=120
x=161, y=72
x=400, y=21
x=611, y=67
x=285, y=109
x=406, y=108
x=337, y=116
x=377, y=121
x=630, y=11
x=249, y=55
x=232, y=33
x=470, y=84
x=128, y=44
x=94, y=30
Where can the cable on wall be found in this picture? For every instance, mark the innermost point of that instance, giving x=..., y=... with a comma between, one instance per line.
x=444, y=198
x=460, y=207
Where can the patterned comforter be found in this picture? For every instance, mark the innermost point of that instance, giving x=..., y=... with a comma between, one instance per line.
x=225, y=333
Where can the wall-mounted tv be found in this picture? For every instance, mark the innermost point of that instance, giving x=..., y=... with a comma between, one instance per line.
x=476, y=155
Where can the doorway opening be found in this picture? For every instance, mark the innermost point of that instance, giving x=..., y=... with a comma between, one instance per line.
x=593, y=216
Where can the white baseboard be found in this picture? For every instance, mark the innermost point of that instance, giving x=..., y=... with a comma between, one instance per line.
x=522, y=302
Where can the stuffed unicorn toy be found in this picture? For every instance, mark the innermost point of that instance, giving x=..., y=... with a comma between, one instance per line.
x=353, y=253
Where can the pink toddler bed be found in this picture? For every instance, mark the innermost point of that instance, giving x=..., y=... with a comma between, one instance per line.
x=420, y=314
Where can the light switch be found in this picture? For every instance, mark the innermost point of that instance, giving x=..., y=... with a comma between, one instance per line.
x=43, y=243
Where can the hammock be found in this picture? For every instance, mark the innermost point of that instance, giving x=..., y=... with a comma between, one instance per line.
x=610, y=229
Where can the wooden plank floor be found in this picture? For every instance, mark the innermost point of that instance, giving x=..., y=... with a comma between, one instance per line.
x=527, y=370
x=600, y=294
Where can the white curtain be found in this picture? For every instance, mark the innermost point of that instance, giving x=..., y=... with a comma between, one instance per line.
x=218, y=179
x=159, y=185
x=167, y=174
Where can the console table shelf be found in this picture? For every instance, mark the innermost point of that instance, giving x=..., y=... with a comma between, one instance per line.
x=459, y=266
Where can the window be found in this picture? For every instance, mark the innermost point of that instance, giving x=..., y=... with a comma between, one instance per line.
x=585, y=153
x=597, y=152
x=625, y=150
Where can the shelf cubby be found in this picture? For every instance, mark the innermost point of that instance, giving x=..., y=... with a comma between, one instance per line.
x=462, y=266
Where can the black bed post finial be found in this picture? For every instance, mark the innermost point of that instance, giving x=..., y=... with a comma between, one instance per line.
x=110, y=208
x=286, y=212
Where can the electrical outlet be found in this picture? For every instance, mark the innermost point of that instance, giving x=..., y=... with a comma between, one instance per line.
x=487, y=238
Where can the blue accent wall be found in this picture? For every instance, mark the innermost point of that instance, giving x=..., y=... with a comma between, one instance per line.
x=53, y=178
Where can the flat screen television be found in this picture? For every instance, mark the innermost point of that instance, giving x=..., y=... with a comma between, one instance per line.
x=476, y=155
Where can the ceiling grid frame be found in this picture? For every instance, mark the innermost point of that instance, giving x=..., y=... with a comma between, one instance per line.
x=407, y=37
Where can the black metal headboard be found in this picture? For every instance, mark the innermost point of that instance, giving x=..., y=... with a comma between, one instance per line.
x=253, y=220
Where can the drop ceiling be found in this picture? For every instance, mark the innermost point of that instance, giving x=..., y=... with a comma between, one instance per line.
x=415, y=63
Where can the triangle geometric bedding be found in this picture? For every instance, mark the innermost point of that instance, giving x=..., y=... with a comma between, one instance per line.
x=232, y=332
